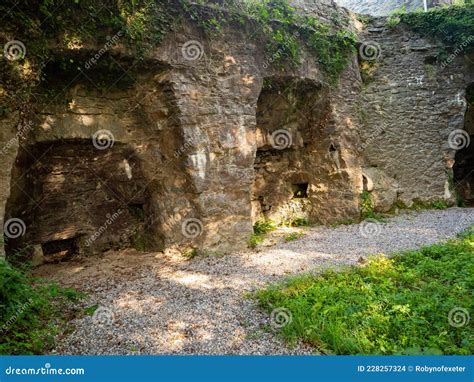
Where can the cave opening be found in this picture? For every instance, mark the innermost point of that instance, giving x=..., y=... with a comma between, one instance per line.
x=291, y=115
x=60, y=249
x=463, y=170
x=300, y=190
x=76, y=199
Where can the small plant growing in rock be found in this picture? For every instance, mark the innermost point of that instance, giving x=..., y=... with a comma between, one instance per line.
x=367, y=207
x=294, y=236
x=263, y=226
x=260, y=229
x=191, y=253
x=297, y=222
x=368, y=70
x=255, y=240
x=393, y=21
x=440, y=205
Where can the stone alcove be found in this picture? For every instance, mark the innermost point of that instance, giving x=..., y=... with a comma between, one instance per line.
x=291, y=140
x=464, y=158
x=77, y=199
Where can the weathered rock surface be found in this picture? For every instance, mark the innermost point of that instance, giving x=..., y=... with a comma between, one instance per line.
x=193, y=151
x=384, y=190
x=385, y=7
x=408, y=106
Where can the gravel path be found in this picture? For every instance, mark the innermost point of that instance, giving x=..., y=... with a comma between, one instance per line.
x=157, y=304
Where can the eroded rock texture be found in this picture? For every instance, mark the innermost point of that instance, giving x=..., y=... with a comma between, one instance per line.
x=172, y=152
x=300, y=171
x=410, y=104
x=464, y=158
x=386, y=7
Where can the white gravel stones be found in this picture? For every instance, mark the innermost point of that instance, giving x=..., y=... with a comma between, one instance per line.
x=174, y=306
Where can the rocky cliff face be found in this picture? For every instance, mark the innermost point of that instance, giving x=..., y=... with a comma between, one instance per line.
x=410, y=103
x=189, y=146
x=385, y=7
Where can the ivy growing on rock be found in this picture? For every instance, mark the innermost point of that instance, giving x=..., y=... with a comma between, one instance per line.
x=453, y=25
x=48, y=25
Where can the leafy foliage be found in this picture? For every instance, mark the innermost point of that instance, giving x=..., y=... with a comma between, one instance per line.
x=31, y=311
x=453, y=25
x=389, y=306
x=263, y=226
x=284, y=27
x=294, y=236
x=260, y=229
x=297, y=222
x=367, y=207
x=143, y=24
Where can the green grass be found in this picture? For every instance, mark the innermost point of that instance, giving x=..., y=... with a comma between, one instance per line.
x=343, y=222
x=419, y=205
x=260, y=229
x=255, y=240
x=294, y=236
x=263, y=227
x=452, y=25
x=367, y=207
x=297, y=222
x=32, y=311
x=389, y=306
x=190, y=253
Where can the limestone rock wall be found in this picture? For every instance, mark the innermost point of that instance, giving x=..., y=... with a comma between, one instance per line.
x=191, y=126
x=185, y=142
x=385, y=7
x=408, y=106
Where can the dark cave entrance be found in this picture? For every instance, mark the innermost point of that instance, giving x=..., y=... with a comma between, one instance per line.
x=463, y=170
x=300, y=190
x=77, y=199
x=290, y=115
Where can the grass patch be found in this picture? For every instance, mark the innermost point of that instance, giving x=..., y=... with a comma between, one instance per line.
x=399, y=305
x=453, y=25
x=297, y=222
x=190, y=253
x=255, y=240
x=260, y=229
x=419, y=205
x=32, y=311
x=343, y=222
x=367, y=206
x=294, y=236
x=193, y=253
